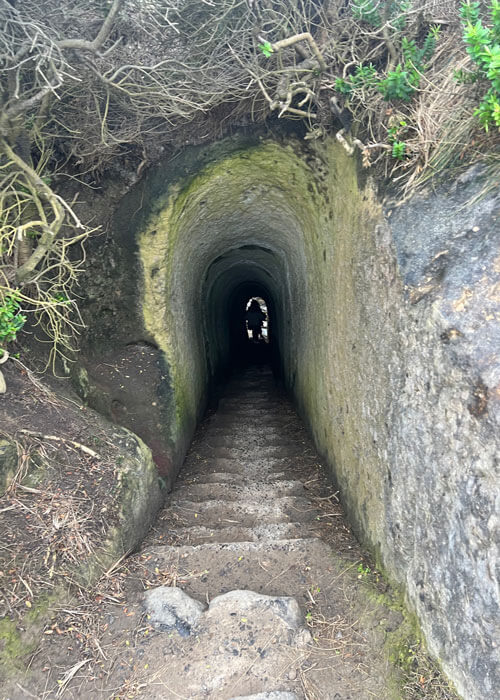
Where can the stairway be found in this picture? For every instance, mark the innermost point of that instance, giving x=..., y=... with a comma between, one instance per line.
x=239, y=482
x=248, y=585
x=246, y=531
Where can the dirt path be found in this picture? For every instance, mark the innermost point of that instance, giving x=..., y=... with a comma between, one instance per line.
x=280, y=598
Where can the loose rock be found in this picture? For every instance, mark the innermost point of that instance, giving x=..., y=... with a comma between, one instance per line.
x=171, y=608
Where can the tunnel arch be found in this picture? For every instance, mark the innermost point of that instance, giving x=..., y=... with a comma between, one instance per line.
x=229, y=283
x=250, y=219
x=288, y=220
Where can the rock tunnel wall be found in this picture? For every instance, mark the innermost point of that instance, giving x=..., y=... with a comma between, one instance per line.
x=388, y=331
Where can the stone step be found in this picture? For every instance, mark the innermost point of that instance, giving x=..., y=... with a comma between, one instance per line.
x=271, y=532
x=217, y=513
x=258, y=467
x=249, y=402
x=238, y=479
x=200, y=477
x=242, y=412
x=233, y=492
x=207, y=451
x=223, y=478
x=284, y=567
x=238, y=430
x=251, y=390
x=230, y=421
x=250, y=441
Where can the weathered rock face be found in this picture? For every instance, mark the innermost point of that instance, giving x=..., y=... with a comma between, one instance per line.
x=240, y=636
x=442, y=517
x=387, y=326
x=91, y=506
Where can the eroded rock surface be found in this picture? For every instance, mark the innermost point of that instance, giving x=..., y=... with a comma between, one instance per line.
x=242, y=635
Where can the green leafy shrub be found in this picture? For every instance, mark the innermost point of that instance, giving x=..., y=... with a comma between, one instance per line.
x=11, y=320
x=400, y=83
x=483, y=46
x=364, y=76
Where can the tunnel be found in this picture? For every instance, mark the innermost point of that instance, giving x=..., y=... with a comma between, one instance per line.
x=253, y=224
x=361, y=337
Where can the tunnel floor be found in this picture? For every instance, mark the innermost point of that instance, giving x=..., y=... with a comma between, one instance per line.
x=280, y=596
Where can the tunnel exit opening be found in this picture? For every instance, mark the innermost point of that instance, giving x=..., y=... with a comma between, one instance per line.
x=257, y=321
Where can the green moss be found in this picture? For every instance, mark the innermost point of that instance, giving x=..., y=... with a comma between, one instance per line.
x=16, y=646
x=41, y=607
x=417, y=676
x=12, y=650
x=166, y=235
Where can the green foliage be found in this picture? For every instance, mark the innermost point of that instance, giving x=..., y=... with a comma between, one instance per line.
x=363, y=570
x=400, y=83
x=466, y=77
x=397, y=14
x=394, y=134
x=61, y=298
x=266, y=48
x=417, y=57
x=398, y=150
x=11, y=320
x=368, y=11
x=364, y=76
x=483, y=46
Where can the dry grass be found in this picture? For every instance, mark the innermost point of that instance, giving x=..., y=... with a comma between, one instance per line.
x=48, y=528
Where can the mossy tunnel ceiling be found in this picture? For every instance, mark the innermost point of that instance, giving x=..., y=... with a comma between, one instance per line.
x=362, y=332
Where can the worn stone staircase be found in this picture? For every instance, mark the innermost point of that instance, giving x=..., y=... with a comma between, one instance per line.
x=246, y=515
x=236, y=485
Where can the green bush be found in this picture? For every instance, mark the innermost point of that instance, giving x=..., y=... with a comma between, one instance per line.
x=400, y=83
x=483, y=46
x=364, y=76
x=11, y=320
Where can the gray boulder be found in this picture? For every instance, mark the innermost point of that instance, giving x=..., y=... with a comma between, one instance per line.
x=170, y=608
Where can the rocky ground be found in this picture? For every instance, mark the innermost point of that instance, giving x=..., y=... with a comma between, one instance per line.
x=250, y=582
